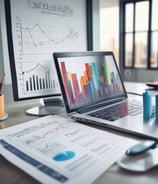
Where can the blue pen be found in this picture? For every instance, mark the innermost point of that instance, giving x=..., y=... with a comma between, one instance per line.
x=147, y=104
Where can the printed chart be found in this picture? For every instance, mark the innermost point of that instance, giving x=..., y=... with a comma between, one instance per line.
x=57, y=150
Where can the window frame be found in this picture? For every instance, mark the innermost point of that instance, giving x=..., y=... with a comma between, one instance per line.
x=123, y=33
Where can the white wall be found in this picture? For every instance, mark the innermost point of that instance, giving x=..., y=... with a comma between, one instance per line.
x=108, y=3
x=4, y=58
x=96, y=25
x=1, y=53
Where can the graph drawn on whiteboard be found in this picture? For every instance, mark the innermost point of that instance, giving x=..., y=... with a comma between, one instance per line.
x=40, y=28
x=40, y=38
x=36, y=78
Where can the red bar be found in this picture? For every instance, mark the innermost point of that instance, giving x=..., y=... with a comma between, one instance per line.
x=63, y=68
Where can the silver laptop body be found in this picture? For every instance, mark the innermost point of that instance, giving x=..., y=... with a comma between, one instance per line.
x=94, y=93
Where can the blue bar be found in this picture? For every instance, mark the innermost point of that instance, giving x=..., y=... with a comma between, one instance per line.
x=39, y=165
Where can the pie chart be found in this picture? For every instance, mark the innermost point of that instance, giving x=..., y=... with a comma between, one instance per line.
x=63, y=156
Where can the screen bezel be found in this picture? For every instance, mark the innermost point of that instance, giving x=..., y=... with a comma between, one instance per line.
x=57, y=55
x=15, y=86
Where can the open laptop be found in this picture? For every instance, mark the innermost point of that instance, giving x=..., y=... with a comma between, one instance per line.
x=94, y=93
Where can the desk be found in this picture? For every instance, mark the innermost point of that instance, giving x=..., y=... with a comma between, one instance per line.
x=9, y=174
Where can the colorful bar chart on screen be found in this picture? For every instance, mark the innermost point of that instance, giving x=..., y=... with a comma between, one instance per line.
x=90, y=82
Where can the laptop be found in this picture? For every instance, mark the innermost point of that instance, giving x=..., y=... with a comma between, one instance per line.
x=94, y=93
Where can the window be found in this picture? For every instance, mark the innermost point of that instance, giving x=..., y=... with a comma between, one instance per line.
x=139, y=34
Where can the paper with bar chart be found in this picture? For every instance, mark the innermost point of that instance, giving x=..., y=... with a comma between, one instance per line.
x=57, y=150
x=90, y=80
x=38, y=29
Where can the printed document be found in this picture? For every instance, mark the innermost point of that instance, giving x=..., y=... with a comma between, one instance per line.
x=57, y=150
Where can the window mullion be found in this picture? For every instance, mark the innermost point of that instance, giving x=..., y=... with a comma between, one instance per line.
x=133, y=55
x=149, y=35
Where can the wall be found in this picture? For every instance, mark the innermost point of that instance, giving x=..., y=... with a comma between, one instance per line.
x=1, y=53
x=96, y=25
x=3, y=45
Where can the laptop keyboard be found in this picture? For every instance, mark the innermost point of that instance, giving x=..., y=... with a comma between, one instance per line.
x=118, y=111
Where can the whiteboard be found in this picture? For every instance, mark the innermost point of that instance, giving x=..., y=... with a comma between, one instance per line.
x=39, y=28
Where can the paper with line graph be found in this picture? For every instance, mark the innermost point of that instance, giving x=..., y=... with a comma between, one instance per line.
x=53, y=149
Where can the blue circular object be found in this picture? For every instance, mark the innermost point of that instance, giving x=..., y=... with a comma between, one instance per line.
x=63, y=156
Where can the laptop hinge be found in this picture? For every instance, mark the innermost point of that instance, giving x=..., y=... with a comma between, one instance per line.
x=95, y=106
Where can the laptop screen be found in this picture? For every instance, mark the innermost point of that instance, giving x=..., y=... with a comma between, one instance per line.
x=87, y=78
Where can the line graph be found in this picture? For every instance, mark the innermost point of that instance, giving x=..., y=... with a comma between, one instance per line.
x=38, y=30
x=51, y=132
x=35, y=67
x=35, y=39
x=43, y=38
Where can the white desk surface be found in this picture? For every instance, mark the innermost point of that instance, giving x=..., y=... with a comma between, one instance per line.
x=9, y=174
